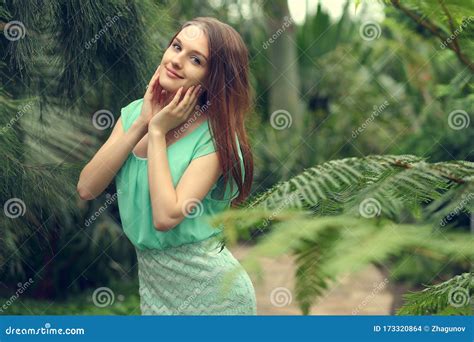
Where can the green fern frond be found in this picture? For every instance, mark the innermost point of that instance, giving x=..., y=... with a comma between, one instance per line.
x=391, y=182
x=451, y=297
x=329, y=247
x=311, y=280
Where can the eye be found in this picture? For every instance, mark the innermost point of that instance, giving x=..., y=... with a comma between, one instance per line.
x=195, y=59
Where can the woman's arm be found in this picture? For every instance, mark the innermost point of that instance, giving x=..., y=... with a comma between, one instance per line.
x=100, y=171
x=170, y=205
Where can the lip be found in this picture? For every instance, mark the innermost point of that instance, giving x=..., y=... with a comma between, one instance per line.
x=172, y=74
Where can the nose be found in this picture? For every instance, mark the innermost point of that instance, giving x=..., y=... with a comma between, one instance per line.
x=176, y=61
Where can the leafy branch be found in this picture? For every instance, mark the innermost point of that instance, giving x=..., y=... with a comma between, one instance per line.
x=437, y=31
x=450, y=297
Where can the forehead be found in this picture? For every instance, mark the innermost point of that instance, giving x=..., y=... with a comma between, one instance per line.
x=194, y=38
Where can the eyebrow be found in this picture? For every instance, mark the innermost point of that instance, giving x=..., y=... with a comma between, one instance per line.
x=179, y=41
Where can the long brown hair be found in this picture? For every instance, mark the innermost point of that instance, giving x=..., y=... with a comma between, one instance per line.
x=229, y=93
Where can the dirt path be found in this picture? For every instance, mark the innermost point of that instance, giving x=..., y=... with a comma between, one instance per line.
x=362, y=293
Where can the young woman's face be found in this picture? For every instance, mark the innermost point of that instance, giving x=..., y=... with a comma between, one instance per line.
x=188, y=57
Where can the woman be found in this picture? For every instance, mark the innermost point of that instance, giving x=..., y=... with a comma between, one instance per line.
x=177, y=164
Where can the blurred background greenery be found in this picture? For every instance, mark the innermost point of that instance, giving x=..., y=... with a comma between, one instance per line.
x=332, y=80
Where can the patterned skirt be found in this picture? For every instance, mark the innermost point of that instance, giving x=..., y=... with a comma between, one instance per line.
x=194, y=279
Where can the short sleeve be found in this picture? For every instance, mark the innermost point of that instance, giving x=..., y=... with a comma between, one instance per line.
x=218, y=193
x=130, y=113
x=204, y=145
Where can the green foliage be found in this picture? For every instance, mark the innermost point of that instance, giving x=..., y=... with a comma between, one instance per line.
x=446, y=21
x=399, y=89
x=125, y=301
x=295, y=217
x=438, y=134
x=51, y=90
x=452, y=297
x=68, y=44
x=318, y=36
x=328, y=247
x=392, y=183
x=343, y=79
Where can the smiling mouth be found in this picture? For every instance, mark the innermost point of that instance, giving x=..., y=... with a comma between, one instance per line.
x=174, y=74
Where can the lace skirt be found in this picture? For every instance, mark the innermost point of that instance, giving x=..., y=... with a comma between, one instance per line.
x=194, y=279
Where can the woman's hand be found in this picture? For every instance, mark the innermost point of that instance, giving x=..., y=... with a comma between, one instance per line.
x=152, y=100
x=176, y=112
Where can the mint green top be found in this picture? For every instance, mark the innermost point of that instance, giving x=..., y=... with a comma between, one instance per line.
x=134, y=197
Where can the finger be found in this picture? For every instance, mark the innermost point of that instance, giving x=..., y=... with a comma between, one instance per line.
x=191, y=101
x=153, y=77
x=150, y=89
x=156, y=81
x=152, y=83
x=176, y=97
x=188, y=106
x=197, y=91
x=194, y=97
x=187, y=97
x=162, y=98
x=192, y=108
x=157, y=71
x=157, y=89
